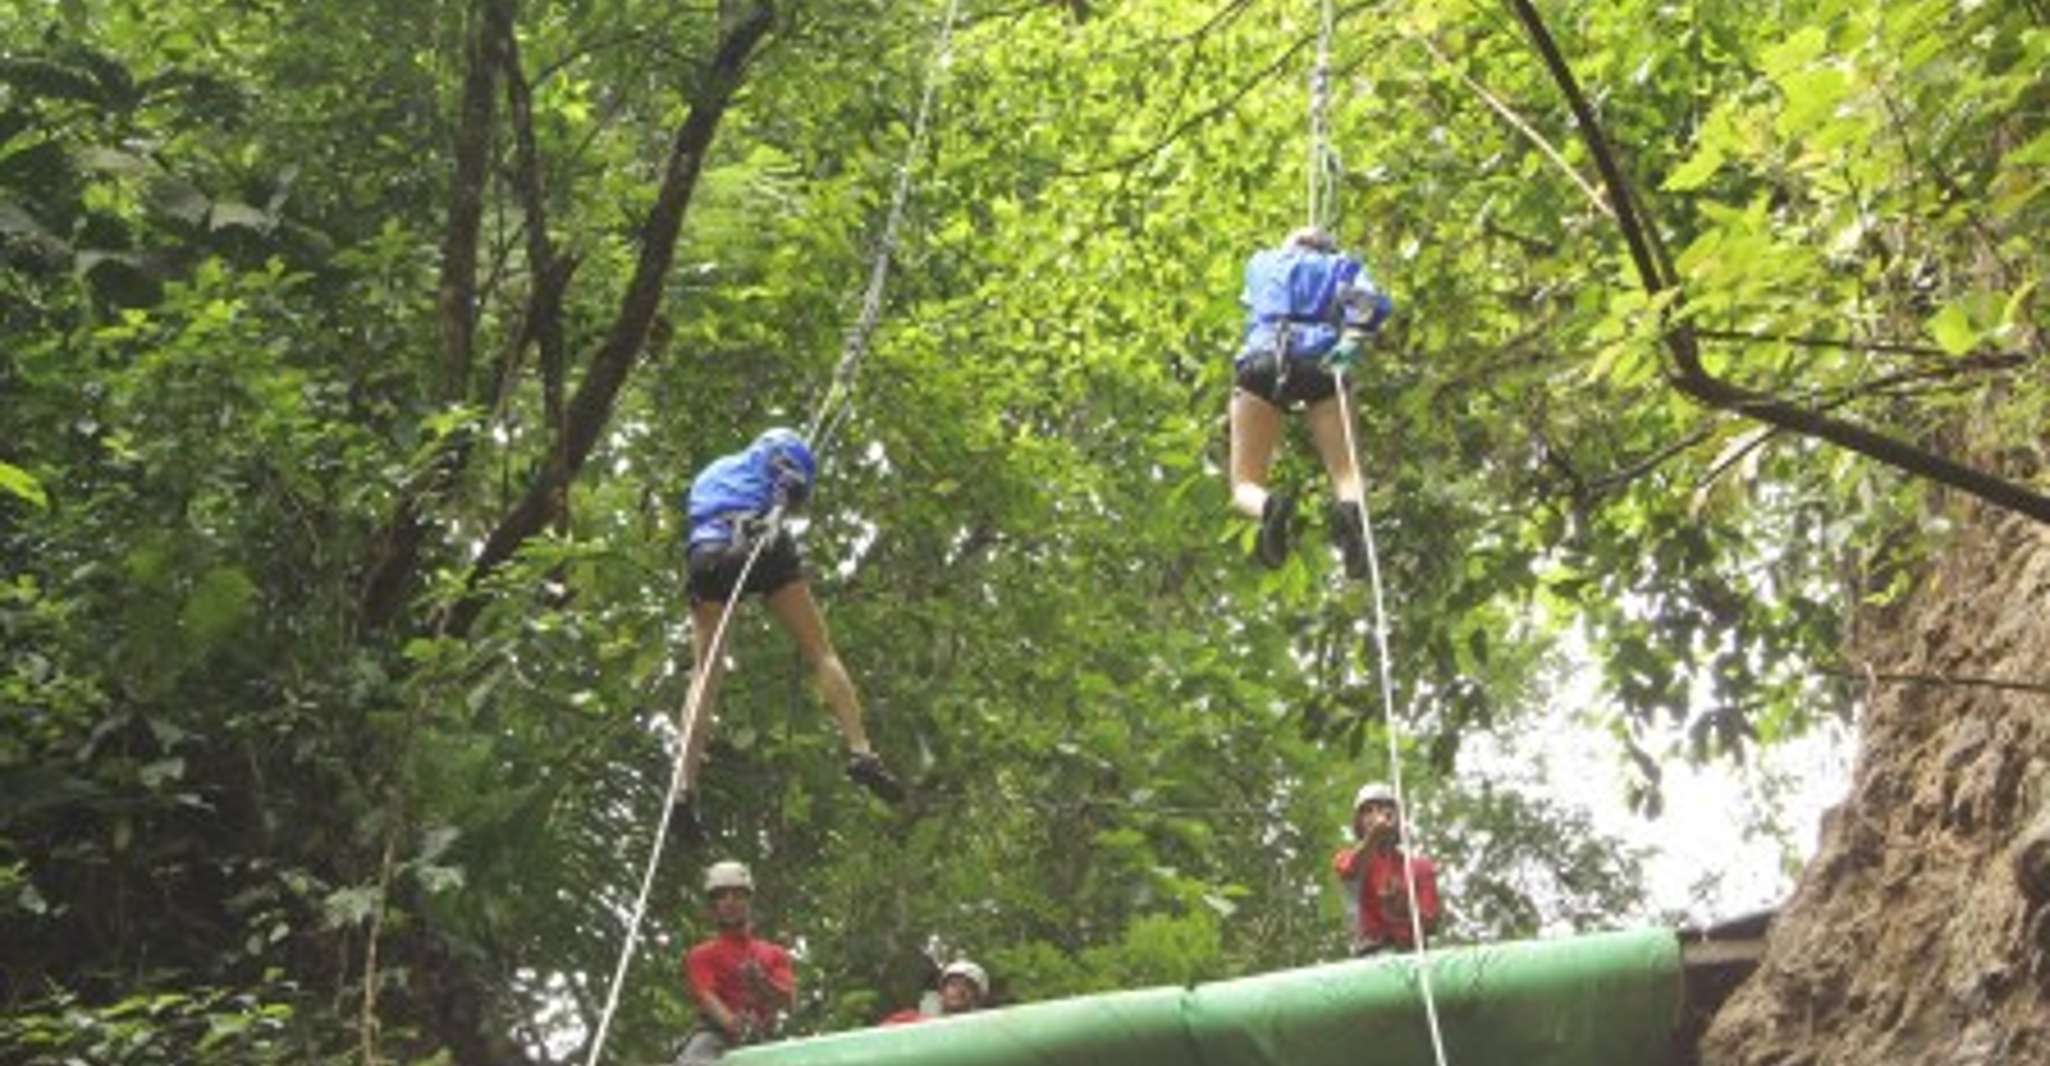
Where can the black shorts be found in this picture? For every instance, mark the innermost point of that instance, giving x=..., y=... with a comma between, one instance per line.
x=715, y=569
x=1305, y=382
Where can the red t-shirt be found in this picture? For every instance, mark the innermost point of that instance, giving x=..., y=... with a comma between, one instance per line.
x=714, y=966
x=904, y=1017
x=1382, y=869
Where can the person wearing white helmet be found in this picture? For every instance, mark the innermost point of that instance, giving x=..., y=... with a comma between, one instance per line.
x=1377, y=894
x=732, y=503
x=741, y=983
x=964, y=986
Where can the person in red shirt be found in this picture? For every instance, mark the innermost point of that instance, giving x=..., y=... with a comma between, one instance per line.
x=963, y=987
x=1376, y=892
x=741, y=983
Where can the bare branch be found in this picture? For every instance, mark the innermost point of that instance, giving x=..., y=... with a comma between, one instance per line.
x=1649, y=463
x=395, y=550
x=466, y=205
x=591, y=408
x=1865, y=673
x=1510, y=116
x=544, y=309
x=1888, y=347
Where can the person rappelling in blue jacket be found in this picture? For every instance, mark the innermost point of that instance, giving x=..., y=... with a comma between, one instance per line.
x=736, y=502
x=1310, y=311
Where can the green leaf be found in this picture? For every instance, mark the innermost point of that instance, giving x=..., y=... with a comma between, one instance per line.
x=1953, y=330
x=18, y=482
x=1696, y=171
x=153, y=775
x=1812, y=96
x=350, y=906
x=1799, y=49
x=230, y=213
x=221, y=1028
x=218, y=605
x=2035, y=153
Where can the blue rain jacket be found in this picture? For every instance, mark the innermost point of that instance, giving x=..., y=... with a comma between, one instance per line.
x=1316, y=293
x=733, y=486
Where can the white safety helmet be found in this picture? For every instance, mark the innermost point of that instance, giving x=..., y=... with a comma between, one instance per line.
x=974, y=974
x=1372, y=792
x=728, y=874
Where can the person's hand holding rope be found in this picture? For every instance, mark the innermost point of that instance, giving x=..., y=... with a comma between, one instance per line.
x=1346, y=354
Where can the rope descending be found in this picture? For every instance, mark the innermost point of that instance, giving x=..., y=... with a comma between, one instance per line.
x=1325, y=171
x=1324, y=168
x=854, y=346
x=1416, y=924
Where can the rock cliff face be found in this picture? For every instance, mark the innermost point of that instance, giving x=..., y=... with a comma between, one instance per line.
x=1920, y=932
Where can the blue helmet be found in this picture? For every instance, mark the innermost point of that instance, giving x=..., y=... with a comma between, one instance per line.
x=791, y=465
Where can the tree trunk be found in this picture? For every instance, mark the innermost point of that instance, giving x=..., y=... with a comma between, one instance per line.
x=1919, y=932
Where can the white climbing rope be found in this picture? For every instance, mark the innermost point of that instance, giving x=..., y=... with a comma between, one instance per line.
x=854, y=346
x=854, y=349
x=1324, y=173
x=1322, y=169
x=677, y=785
x=1393, y=730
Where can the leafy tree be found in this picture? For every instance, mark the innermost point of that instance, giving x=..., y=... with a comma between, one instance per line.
x=356, y=355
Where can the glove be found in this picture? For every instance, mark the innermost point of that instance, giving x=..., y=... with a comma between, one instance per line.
x=757, y=978
x=1346, y=354
x=745, y=1031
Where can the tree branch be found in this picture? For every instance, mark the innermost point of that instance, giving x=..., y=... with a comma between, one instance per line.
x=1649, y=463
x=1529, y=132
x=395, y=551
x=1887, y=347
x=1222, y=107
x=1691, y=377
x=591, y=408
x=544, y=310
x=466, y=204
x=1870, y=676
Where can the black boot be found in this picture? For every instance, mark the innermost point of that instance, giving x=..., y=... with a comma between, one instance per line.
x=867, y=770
x=1344, y=521
x=1275, y=516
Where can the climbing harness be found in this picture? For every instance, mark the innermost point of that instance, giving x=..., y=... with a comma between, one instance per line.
x=749, y=527
x=1324, y=172
x=1284, y=335
x=818, y=430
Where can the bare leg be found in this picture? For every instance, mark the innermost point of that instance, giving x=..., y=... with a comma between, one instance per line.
x=1255, y=429
x=709, y=662
x=1327, y=431
x=794, y=607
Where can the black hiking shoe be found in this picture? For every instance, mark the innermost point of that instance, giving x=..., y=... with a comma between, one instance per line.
x=1272, y=547
x=867, y=770
x=685, y=826
x=1344, y=522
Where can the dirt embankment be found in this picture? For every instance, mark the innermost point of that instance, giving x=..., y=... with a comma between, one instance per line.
x=1920, y=933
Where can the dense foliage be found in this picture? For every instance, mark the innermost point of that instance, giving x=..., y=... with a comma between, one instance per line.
x=353, y=356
